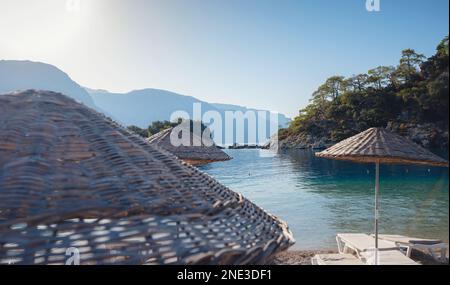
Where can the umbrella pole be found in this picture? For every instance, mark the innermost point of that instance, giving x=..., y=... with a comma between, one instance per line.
x=377, y=187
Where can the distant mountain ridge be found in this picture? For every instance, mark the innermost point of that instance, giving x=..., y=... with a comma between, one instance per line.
x=283, y=121
x=21, y=75
x=138, y=107
x=142, y=107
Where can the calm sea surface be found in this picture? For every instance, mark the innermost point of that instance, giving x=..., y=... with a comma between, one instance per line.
x=319, y=197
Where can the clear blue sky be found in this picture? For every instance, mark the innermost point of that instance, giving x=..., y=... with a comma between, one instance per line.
x=265, y=54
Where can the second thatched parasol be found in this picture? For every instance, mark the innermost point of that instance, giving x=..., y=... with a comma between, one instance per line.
x=197, y=150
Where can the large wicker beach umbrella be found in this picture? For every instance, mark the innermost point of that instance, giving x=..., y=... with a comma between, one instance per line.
x=196, y=151
x=378, y=145
x=72, y=181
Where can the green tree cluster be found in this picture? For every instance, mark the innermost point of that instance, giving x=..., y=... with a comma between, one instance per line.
x=154, y=128
x=414, y=91
x=157, y=126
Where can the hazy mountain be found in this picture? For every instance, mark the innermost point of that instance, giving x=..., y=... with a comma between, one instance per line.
x=283, y=121
x=20, y=75
x=141, y=107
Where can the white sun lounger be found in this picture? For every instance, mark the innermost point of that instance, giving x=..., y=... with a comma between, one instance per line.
x=364, y=247
x=335, y=259
x=361, y=242
x=430, y=245
x=387, y=257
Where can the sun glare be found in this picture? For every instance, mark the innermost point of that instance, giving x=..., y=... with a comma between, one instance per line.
x=49, y=26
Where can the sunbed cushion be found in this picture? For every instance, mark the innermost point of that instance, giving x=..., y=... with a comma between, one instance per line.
x=363, y=242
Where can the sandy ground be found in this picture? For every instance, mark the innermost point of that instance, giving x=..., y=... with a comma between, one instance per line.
x=297, y=257
x=303, y=257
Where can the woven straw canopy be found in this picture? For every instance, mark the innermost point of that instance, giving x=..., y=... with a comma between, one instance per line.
x=193, y=154
x=70, y=177
x=379, y=144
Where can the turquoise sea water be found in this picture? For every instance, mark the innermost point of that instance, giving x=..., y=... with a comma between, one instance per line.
x=320, y=197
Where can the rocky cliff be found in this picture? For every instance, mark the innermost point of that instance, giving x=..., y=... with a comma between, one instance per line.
x=427, y=135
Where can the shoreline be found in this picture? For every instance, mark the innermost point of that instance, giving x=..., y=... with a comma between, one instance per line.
x=303, y=257
x=297, y=257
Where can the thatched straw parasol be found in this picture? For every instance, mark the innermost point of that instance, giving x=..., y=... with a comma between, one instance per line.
x=378, y=145
x=72, y=180
x=196, y=154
